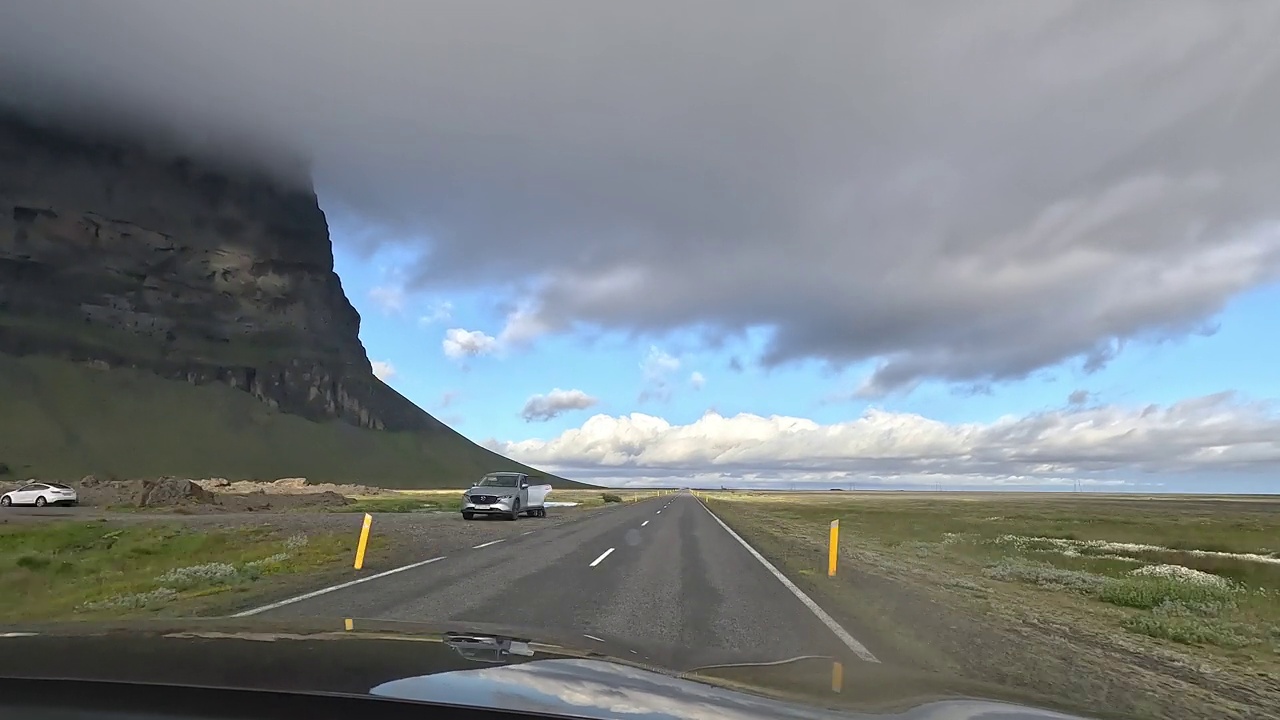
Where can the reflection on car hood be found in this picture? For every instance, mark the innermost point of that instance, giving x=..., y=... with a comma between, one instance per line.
x=491, y=667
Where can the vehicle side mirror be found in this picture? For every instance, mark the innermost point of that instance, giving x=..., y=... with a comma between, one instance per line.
x=524, y=486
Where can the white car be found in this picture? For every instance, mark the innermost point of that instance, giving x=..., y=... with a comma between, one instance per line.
x=40, y=494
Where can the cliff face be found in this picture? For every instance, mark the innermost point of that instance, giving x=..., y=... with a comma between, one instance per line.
x=114, y=255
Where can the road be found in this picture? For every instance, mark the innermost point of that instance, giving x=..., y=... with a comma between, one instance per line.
x=662, y=575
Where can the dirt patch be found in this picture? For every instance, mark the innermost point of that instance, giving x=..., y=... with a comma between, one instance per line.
x=287, y=486
x=193, y=496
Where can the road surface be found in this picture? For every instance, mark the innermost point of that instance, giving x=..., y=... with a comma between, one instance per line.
x=662, y=574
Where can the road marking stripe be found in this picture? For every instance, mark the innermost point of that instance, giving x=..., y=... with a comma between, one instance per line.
x=527, y=532
x=603, y=555
x=482, y=545
x=858, y=648
x=646, y=522
x=331, y=588
x=658, y=513
x=592, y=637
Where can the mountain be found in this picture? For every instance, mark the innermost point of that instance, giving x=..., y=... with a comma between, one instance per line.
x=163, y=314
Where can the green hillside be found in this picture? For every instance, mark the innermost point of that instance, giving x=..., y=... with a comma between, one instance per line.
x=64, y=420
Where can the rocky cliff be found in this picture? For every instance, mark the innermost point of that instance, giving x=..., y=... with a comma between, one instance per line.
x=119, y=256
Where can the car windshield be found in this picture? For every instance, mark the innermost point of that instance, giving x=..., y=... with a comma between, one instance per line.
x=941, y=334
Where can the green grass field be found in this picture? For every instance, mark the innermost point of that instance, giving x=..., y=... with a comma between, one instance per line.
x=64, y=420
x=1056, y=552
x=76, y=570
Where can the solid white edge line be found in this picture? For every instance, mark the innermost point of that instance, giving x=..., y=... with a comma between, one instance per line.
x=858, y=648
x=332, y=588
x=646, y=522
x=603, y=555
x=483, y=545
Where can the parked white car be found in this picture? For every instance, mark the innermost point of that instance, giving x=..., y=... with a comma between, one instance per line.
x=40, y=494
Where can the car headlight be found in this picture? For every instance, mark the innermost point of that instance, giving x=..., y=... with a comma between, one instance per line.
x=506, y=497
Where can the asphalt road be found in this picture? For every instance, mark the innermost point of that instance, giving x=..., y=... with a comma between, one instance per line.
x=660, y=575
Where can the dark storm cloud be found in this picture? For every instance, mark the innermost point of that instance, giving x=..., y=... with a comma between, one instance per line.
x=959, y=192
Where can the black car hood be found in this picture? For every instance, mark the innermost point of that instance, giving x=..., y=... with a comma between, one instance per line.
x=486, y=666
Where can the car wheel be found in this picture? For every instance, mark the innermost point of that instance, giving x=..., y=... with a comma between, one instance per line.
x=5, y=501
x=41, y=502
x=515, y=511
x=467, y=516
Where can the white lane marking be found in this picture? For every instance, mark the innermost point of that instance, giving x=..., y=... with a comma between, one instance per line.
x=658, y=513
x=592, y=637
x=332, y=588
x=482, y=545
x=646, y=522
x=603, y=555
x=527, y=532
x=858, y=648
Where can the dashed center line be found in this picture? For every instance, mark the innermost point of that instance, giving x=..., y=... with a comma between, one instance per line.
x=603, y=555
x=646, y=522
x=658, y=513
x=527, y=532
x=481, y=545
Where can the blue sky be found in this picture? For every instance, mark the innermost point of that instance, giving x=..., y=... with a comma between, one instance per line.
x=676, y=377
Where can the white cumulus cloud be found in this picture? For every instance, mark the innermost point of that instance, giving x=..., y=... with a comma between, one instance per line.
x=555, y=403
x=1106, y=444
x=383, y=370
x=656, y=370
x=459, y=343
x=697, y=380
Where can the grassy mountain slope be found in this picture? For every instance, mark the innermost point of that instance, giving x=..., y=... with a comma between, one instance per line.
x=63, y=420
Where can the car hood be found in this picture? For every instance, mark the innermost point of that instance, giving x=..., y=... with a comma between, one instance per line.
x=490, y=666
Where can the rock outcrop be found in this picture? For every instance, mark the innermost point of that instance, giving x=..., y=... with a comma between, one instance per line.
x=112, y=254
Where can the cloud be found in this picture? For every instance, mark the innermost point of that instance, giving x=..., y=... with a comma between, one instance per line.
x=459, y=343
x=540, y=408
x=957, y=193
x=383, y=370
x=1107, y=444
x=656, y=370
x=439, y=312
x=389, y=299
x=697, y=380
x=448, y=398
x=1078, y=397
x=520, y=330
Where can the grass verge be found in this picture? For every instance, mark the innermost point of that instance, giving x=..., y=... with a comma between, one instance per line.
x=1129, y=587
x=67, y=570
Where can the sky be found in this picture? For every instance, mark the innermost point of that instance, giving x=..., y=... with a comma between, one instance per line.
x=815, y=244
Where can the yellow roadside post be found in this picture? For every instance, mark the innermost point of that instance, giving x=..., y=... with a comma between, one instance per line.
x=833, y=548
x=349, y=624
x=837, y=676
x=364, y=540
